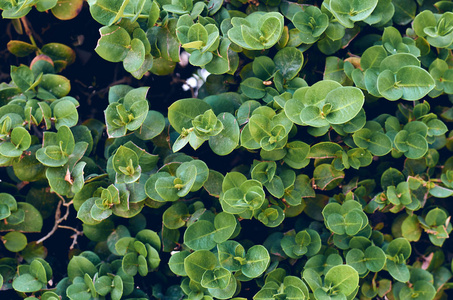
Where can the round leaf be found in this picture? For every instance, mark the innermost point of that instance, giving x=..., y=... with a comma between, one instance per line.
x=14, y=241
x=200, y=235
x=257, y=260
x=198, y=262
x=346, y=104
x=343, y=279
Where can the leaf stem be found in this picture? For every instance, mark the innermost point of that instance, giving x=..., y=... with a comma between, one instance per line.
x=29, y=32
x=139, y=16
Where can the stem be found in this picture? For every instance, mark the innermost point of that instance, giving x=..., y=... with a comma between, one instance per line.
x=139, y=16
x=32, y=40
x=28, y=32
x=58, y=219
x=435, y=180
x=74, y=236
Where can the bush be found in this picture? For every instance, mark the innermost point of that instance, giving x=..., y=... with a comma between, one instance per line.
x=314, y=161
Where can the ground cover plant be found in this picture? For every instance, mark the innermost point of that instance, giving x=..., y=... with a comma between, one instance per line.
x=260, y=149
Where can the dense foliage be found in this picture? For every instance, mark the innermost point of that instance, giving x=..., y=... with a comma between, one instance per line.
x=314, y=162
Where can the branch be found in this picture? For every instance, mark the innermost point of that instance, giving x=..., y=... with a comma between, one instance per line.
x=55, y=226
x=58, y=218
x=74, y=236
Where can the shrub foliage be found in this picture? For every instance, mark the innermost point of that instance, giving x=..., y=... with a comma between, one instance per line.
x=335, y=120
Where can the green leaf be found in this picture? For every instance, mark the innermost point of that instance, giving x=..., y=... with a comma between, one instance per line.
x=409, y=83
x=261, y=33
x=114, y=43
x=356, y=259
x=326, y=177
x=289, y=62
x=60, y=52
x=399, y=246
x=405, y=11
x=200, y=59
x=312, y=278
x=376, y=142
x=175, y=216
x=336, y=223
x=14, y=241
x=436, y=127
x=226, y=293
x=44, y=5
x=200, y=235
x=198, y=262
x=397, y=61
x=391, y=39
x=225, y=225
x=413, y=145
x=441, y=192
x=373, y=57
x=263, y=67
x=410, y=228
x=253, y=88
x=420, y=290
x=20, y=141
x=218, y=278
x=324, y=150
x=38, y=270
x=152, y=126
x=343, y=279
x=271, y=27
x=26, y=283
x=349, y=12
x=118, y=288
x=20, y=49
x=186, y=176
x=103, y=285
x=125, y=164
x=182, y=112
x=67, y=10
x=56, y=84
x=353, y=222
x=213, y=184
x=135, y=57
x=176, y=263
x=346, y=103
x=130, y=263
x=79, y=266
x=23, y=77
x=32, y=221
x=153, y=258
x=311, y=23
x=227, y=251
x=399, y=271
x=257, y=260
x=162, y=188
x=65, y=113
x=228, y=139
x=375, y=258
x=297, y=153
x=78, y=291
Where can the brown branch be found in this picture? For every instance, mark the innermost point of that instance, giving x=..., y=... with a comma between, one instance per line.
x=74, y=236
x=58, y=218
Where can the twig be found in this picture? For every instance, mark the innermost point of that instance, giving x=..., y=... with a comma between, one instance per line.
x=58, y=218
x=29, y=32
x=74, y=236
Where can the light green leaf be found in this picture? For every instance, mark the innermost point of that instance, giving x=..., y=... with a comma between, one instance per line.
x=343, y=279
